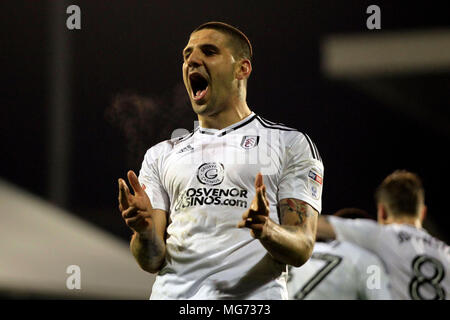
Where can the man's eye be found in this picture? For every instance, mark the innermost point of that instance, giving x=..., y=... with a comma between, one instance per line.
x=209, y=52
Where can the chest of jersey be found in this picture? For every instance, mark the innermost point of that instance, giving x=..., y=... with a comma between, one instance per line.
x=220, y=166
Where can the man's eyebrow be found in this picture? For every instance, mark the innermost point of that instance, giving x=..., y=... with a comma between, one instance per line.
x=202, y=46
x=209, y=46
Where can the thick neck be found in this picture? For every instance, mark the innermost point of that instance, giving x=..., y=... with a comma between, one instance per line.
x=414, y=221
x=225, y=117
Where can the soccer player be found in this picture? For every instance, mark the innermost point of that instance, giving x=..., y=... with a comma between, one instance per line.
x=340, y=270
x=417, y=263
x=204, y=209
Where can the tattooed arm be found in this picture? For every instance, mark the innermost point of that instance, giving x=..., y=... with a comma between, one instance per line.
x=300, y=219
x=291, y=242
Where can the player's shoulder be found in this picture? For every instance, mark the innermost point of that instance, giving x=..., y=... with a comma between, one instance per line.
x=356, y=226
x=272, y=125
x=405, y=233
x=164, y=147
x=292, y=137
x=288, y=134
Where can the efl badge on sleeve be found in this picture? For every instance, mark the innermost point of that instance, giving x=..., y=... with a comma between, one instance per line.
x=315, y=183
x=249, y=142
x=314, y=176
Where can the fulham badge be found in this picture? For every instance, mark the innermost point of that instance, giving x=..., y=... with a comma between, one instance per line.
x=249, y=142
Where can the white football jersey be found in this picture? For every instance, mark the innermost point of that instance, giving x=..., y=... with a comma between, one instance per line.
x=417, y=263
x=205, y=180
x=339, y=271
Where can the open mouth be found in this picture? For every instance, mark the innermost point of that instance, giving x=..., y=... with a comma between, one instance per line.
x=199, y=85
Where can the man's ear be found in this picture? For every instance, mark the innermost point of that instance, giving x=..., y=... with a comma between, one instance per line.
x=381, y=213
x=244, y=69
x=423, y=213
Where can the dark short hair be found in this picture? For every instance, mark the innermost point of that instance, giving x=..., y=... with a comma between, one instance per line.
x=353, y=213
x=240, y=41
x=402, y=192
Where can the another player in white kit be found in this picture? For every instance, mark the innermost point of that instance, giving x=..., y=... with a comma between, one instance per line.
x=198, y=195
x=340, y=270
x=417, y=263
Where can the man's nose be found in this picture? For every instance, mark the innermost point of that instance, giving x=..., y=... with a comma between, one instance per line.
x=194, y=60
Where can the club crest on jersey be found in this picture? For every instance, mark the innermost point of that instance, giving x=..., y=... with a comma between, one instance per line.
x=211, y=173
x=249, y=142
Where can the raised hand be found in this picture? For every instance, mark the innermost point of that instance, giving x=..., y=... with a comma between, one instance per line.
x=136, y=209
x=257, y=216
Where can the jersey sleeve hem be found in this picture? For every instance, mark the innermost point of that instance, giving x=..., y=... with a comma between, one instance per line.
x=313, y=203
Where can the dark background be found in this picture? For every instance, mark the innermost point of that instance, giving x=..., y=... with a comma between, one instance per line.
x=135, y=47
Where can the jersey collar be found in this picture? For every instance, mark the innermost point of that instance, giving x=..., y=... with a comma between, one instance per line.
x=228, y=129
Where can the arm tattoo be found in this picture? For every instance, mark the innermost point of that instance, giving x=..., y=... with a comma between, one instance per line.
x=300, y=208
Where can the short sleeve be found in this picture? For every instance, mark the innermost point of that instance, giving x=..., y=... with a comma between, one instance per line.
x=362, y=232
x=302, y=176
x=149, y=177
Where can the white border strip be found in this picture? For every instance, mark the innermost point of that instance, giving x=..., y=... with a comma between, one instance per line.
x=382, y=53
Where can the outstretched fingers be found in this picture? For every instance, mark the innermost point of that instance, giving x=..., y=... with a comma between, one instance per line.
x=257, y=216
x=259, y=181
x=134, y=182
x=124, y=194
x=261, y=201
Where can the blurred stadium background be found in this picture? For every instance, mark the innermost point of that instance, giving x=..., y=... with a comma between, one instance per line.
x=80, y=107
